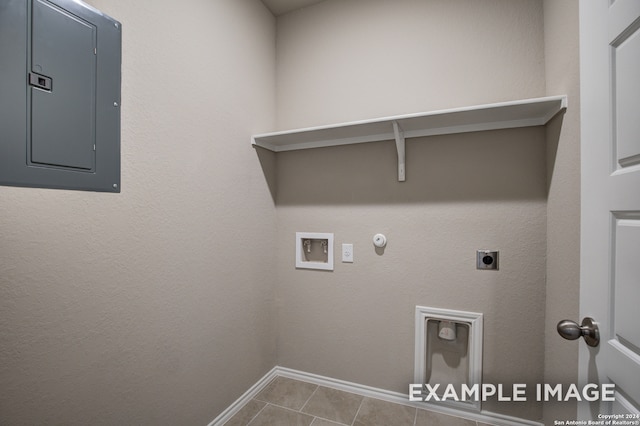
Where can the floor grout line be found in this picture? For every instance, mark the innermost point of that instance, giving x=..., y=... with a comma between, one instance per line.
x=358, y=412
x=258, y=413
x=329, y=420
x=308, y=399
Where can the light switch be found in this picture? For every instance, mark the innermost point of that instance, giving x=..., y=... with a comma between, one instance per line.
x=347, y=253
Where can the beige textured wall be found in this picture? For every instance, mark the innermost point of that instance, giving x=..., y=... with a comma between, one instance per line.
x=359, y=59
x=154, y=306
x=563, y=208
x=349, y=60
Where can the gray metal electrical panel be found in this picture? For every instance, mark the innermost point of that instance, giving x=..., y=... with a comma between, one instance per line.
x=60, y=63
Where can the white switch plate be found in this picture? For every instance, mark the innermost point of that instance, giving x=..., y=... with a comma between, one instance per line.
x=347, y=253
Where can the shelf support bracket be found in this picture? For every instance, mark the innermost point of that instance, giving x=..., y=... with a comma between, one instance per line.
x=397, y=130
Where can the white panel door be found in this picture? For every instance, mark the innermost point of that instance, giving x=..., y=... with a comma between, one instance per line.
x=610, y=213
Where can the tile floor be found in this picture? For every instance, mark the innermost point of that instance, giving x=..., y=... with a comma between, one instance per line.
x=288, y=402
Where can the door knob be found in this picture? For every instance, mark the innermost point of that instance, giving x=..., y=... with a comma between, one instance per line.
x=570, y=330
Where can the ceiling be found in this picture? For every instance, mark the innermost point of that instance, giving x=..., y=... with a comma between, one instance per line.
x=280, y=7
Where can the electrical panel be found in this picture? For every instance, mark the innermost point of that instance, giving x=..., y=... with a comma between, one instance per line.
x=60, y=78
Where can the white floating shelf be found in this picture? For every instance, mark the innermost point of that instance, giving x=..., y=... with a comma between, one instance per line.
x=504, y=115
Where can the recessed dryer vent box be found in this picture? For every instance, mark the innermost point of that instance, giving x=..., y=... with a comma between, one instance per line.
x=314, y=250
x=59, y=96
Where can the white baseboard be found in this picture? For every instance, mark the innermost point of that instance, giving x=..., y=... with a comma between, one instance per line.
x=231, y=410
x=367, y=391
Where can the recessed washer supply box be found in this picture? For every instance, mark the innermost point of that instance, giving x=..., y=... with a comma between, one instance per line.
x=314, y=250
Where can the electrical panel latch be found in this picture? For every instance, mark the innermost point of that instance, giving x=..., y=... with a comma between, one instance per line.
x=40, y=81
